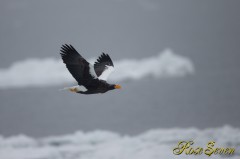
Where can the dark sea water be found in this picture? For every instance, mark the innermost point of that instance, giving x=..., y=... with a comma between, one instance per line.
x=210, y=100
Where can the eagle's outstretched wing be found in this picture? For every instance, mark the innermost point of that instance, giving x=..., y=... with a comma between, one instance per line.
x=80, y=69
x=103, y=66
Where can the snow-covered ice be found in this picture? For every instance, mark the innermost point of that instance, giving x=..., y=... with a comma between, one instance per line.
x=153, y=144
x=50, y=71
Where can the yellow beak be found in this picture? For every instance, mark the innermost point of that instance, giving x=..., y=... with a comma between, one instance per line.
x=117, y=86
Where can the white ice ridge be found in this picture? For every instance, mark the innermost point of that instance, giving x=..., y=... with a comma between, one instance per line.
x=50, y=71
x=153, y=144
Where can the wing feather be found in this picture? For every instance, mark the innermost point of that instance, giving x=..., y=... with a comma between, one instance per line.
x=103, y=66
x=77, y=65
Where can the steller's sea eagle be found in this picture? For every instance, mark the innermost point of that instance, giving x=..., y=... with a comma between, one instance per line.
x=91, y=79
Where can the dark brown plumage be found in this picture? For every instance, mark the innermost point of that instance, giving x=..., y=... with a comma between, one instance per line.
x=89, y=78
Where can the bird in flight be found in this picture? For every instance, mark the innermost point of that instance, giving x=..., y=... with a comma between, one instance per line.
x=91, y=78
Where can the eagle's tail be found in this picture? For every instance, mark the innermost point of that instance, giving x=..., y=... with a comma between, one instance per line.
x=65, y=89
x=72, y=89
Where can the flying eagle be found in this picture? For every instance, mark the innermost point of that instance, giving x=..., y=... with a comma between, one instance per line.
x=91, y=79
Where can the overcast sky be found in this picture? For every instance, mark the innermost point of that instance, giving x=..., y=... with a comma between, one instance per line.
x=206, y=31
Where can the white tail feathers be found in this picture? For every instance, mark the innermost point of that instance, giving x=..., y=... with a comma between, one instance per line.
x=65, y=89
x=74, y=89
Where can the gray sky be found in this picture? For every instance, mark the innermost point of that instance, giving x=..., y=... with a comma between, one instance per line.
x=206, y=31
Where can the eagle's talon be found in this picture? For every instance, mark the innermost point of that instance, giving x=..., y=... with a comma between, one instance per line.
x=73, y=89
